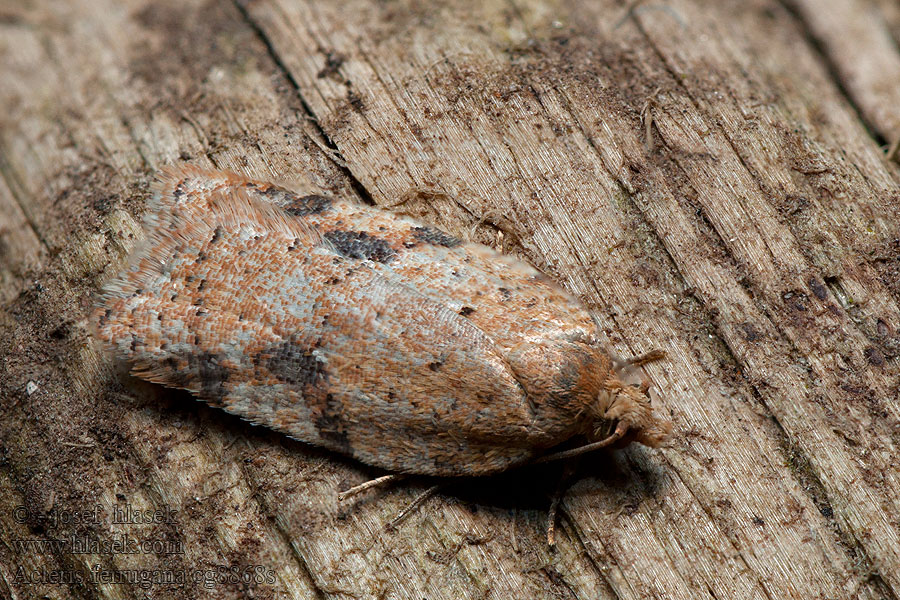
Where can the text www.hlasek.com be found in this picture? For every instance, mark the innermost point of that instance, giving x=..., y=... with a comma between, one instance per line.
x=83, y=544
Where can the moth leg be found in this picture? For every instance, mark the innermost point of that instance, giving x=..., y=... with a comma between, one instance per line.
x=646, y=357
x=415, y=504
x=551, y=519
x=561, y=488
x=378, y=481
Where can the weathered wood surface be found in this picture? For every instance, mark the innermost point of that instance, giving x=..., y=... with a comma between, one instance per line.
x=709, y=177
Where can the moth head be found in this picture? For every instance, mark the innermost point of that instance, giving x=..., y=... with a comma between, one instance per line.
x=624, y=411
x=608, y=396
x=620, y=414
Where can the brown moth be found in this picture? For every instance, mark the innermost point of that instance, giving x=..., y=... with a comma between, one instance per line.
x=364, y=332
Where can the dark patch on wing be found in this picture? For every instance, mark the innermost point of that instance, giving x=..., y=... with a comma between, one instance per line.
x=312, y=204
x=213, y=375
x=465, y=311
x=569, y=380
x=299, y=206
x=293, y=362
x=567, y=377
x=200, y=371
x=359, y=244
x=175, y=370
x=329, y=421
x=505, y=294
x=430, y=235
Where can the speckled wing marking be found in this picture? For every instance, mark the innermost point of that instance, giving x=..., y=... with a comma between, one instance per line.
x=301, y=325
x=520, y=308
x=496, y=292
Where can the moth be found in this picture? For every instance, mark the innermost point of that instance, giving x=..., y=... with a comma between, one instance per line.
x=362, y=331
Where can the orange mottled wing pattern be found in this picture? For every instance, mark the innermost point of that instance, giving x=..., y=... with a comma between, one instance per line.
x=351, y=328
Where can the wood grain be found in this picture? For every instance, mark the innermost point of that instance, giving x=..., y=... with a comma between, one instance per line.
x=707, y=177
